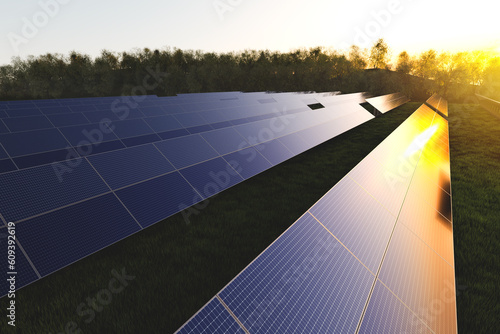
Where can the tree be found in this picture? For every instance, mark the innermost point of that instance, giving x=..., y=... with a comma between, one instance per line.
x=357, y=58
x=405, y=63
x=426, y=64
x=379, y=54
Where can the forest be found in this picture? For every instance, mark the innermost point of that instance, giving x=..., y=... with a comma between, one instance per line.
x=174, y=71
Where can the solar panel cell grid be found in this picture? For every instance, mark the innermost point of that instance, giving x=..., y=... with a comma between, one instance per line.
x=214, y=319
x=27, y=123
x=124, y=167
x=186, y=151
x=23, y=112
x=30, y=142
x=158, y=198
x=295, y=288
x=59, y=238
x=36, y=190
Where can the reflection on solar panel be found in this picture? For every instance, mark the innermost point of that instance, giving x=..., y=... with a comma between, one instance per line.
x=438, y=103
x=373, y=255
x=80, y=174
x=388, y=102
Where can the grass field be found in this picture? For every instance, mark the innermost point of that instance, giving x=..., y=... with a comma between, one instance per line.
x=178, y=266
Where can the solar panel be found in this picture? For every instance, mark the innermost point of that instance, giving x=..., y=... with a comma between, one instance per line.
x=60, y=120
x=374, y=255
x=30, y=142
x=23, y=112
x=152, y=166
x=388, y=102
x=438, y=103
x=27, y=123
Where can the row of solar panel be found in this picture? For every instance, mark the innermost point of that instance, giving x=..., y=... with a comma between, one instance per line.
x=59, y=208
x=186, y=103
x=388, y=102
x=489, y=104
x=438, y=103
x=38, y=147
x=375, y=254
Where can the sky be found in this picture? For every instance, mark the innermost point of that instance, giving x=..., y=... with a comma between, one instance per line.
x=35, y=27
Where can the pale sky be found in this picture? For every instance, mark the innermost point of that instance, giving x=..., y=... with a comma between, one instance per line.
x=89, y=26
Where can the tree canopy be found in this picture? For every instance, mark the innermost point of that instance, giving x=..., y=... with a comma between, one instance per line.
x=187, y=71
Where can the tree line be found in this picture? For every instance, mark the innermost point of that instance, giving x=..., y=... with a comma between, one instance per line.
x=186, y=71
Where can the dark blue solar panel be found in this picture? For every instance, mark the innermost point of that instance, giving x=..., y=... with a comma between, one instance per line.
x=38, y=159
x=211, y=177
x=305, y=282
x=191, y=119
x=248, y=162
x=172, y=109
x=3, y=154
x=27, y=123
x=55, y=110
x=158, y=198
x=86, y=150
x=6, y=165
x=130, y=128
x=57, y=239
x=274, y=151
x=24, y=143
x=225, y=140
x=71, y=102
x=83, y=108
x=25, y=273
x=163, y=123
x=173, y=134
x=36, y=190
x=68, y=119
x=363, y=230
x=98, y=116
x=152, y=111
x=239, y=121
x=21, y=105
x=47, y=103
x=124, y=167
x=3, y=114
x=212, y=116
x=213, y=318
x=186, y=151
x=3, y=128
x=199, y=129
x=88, y=134
x=128, y=114
x=221, y=125
x=24, y=112
x=134, y=141
x=386, y=314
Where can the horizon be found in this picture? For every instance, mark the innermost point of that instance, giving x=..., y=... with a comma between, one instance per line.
x=222, y=26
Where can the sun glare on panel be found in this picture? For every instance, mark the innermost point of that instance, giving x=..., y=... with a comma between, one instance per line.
x=419, y=142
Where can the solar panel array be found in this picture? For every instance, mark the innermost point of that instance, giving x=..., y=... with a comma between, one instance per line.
x=80, y=174
x=373, y=255
x=438, y=103
x=388, y=102
x=489, y=104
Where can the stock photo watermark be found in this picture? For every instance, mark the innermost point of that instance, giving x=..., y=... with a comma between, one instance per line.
x=380, y=20
x=31, y=26
x=224, y=6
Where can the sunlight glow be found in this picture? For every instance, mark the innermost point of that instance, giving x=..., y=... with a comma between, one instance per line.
x=420, y=141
